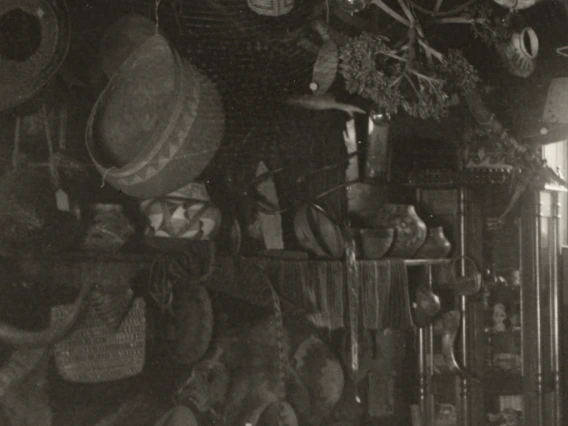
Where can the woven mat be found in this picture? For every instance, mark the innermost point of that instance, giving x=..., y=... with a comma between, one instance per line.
x=93, y=352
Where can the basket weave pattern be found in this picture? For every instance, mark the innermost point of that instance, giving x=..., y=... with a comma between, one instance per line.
x=94, y=353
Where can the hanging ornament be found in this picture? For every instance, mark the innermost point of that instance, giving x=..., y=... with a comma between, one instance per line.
x=517, y=4
x=325, y=67
x=352, y=6
x=380, y=117
x=519, y=53
x=271, y=7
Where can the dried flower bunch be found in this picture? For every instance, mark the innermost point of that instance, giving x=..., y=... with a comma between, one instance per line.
x=420, y=86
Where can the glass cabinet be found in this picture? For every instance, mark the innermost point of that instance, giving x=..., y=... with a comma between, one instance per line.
x=509, y=337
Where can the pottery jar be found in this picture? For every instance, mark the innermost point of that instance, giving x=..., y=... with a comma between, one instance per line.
x=410, y=230
x=436, y=246
x=519, y=53
x=271, y=7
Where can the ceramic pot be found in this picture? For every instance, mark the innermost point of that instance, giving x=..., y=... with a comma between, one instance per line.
x=187, y=213
x=321, y=373
x=436, y=245
x=410, y=230
x=109, y=229
x=519, y=53
x=274, y=413
x=352, y=6
x=372, y=243
x=271, y=7
x=178, y=416
x=317, y=232
x=517, y=4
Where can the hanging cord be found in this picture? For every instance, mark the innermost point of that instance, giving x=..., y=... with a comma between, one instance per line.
x=169, y=270
x=352, y=275
x=16, y=151
x=52, y=159
x=156, y=15
x=280, y=337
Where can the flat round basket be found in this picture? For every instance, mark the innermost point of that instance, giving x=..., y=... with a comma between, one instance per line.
x=24, y=73
x=94, y=352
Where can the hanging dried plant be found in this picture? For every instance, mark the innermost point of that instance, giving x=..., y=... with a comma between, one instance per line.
x=409, y=81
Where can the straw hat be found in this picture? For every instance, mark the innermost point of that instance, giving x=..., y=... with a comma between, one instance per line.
x=24, y=73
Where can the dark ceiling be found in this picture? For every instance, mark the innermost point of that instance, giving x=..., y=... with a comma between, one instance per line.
x=258, y=59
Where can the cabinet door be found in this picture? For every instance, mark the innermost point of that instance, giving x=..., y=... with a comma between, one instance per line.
x=540, y=323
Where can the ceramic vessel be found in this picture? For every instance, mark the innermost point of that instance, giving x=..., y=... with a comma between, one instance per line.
x=321, y=373
x=178, y=416
x=517, y=4
x=519, y=53
x=109, y=228
x=410, y=230
x=186, y=213
x=372, y=243
x=274, y=413
x=352, y=6
x=271, y=7
x=436, y=246
x=317, y=232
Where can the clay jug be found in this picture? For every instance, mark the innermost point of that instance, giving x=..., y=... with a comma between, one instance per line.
x=519, y=53
x=436, y=245
x=410, y=230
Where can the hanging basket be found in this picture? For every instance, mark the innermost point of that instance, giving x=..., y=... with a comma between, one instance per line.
x=95, y=353
x=121, y=39
x=157, y=124
x=24, y=73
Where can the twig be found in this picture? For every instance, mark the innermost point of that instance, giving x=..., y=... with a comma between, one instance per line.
x=394, y=56
x=407, y=11
x=63, y=128
x=50, y=147
x=460, y=20
x=438, y=55
x=407, y=77
x=425, y=77
x=438, y=6
x=451, y=12
x=391, y=12
x=410, y=56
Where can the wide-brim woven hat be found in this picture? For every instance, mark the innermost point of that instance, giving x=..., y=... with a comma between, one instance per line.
x=42, y=26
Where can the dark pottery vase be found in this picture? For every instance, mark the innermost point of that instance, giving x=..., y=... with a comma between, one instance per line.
x=410, y=230
x=436, y=245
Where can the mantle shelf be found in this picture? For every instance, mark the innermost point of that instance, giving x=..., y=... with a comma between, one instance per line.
x=141, y=256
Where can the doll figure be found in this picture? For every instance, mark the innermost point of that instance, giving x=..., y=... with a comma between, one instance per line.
x=499, y=317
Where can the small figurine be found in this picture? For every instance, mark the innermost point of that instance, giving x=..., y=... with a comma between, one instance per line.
x=499, y=318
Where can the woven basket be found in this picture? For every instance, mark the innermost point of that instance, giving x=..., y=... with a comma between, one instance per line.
x=94, y=353
x=148, y=149
x=21, y=80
